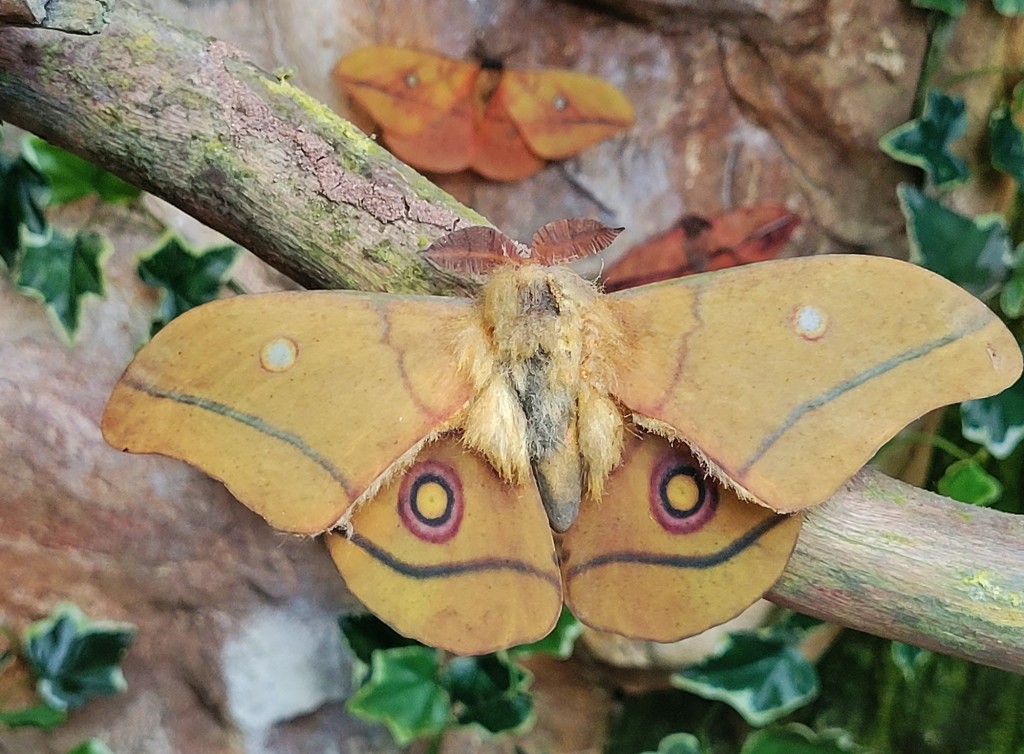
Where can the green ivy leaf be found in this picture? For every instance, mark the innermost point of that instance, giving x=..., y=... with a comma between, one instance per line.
x=924, y=142
x=974, y=253
x=996, y=422
x=61, y=271
x=639, y=722
x=38, y=716
x=186, y=277
x=760, y=675
x=23, y=194
x=1006, y=144
x=559, y=643
x=953, y=8
x=1011, y=297
x=92, y=746
x=469, y=679
x=908, y=659
x=1009, y=7
x=508, y=713
x=678, y=743
x=403, y=693
x=795, y=622
x=366, y=633
x=74, y=658
x=797, y=739
x=489, y=691
x=967, y=481
x=73, y=178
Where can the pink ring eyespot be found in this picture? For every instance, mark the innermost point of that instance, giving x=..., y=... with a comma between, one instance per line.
x=682, y=498
x=430, y=501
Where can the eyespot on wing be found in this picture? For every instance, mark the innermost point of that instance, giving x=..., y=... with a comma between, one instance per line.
x=450, y=555
x=667, y=552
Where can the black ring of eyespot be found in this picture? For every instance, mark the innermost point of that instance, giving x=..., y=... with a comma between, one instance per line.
x=440, y=528
x=449, y=501
x=682, y=469
x=680, y=462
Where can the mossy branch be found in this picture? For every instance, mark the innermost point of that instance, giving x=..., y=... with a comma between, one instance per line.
x=888, y=558
x=72, y=16
x=192, y=120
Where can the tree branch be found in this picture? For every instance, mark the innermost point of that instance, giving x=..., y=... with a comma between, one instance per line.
x=891, y=559
x=73, y=16
x=192, y=120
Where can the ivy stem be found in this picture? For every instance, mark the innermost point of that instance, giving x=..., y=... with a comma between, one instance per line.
x=940, y=31
x=988, y=70
x=1015, y=217
x=936, y=441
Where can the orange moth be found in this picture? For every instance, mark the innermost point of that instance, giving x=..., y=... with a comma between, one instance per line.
x=436, y=441
x=443, y=115
x=699, y=244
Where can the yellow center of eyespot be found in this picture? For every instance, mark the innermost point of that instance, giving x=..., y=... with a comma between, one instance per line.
x=278, y=355
x=431, y=500
x=809, y=322
x=682, y=493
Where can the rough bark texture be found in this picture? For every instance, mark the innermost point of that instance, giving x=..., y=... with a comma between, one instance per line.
x=74, y=16
x=891, y=559
x=248, y=153
x=228, y=610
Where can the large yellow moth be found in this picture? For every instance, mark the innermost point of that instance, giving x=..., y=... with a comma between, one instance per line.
x=672, y=431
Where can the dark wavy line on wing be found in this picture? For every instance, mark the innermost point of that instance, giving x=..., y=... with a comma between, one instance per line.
x=249, y=420
x=697, y=562
x=450, y=570
x=846, y=386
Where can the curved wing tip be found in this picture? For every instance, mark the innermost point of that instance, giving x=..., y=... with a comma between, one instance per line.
x=112, y=432
x=1008, y=361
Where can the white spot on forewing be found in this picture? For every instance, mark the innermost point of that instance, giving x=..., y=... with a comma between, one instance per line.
x=279, y=354
x=809, y=322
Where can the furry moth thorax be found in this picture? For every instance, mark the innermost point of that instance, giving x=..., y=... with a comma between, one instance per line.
x=534, y=348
